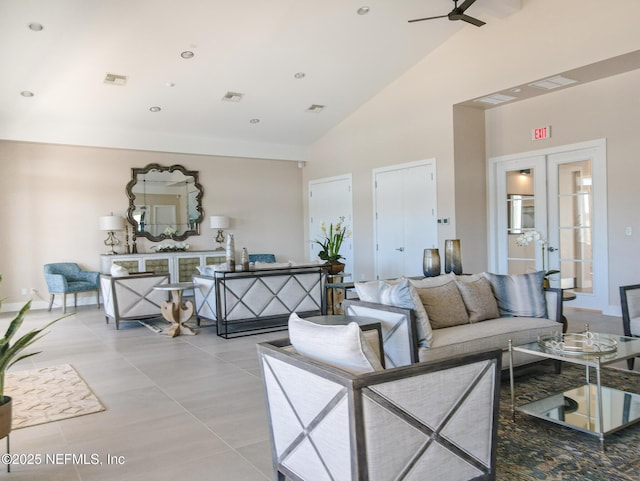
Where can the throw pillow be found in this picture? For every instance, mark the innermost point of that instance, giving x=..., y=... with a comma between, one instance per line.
x=519, y=295
x=397, y=295
x=444, y=305
x=367, y=290
x=118, y=271
x=339, y=346
x=478, y=299
x=423, y=326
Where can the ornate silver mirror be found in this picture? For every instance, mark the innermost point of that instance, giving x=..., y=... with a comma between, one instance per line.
x=164, y=202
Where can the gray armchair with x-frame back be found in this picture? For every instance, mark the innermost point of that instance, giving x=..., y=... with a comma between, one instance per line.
x=431, y=421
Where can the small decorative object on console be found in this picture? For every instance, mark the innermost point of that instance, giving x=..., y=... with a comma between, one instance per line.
x=452, y=256
x=231, y=253
x=179, y=247
x=431, y=262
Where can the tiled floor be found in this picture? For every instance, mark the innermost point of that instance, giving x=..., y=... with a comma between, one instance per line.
x=184, y=409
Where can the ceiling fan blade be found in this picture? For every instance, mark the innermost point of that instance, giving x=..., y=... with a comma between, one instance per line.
x=427, y=18
x=466, y=4
x=466, y=18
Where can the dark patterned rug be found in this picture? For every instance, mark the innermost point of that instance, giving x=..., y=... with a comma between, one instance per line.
x=534, y=449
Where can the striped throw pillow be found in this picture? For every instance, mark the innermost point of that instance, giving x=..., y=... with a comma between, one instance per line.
x=519, y=295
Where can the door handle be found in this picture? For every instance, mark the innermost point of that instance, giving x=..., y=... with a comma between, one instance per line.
x=552, y=249
x=401, y=249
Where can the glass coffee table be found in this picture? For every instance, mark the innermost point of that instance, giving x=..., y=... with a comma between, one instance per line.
x=591, y=408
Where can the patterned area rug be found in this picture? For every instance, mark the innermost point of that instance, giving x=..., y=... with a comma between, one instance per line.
x=534, y=449
x=49, y=394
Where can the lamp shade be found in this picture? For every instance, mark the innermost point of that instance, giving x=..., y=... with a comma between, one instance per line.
x=219, y=221
x=111, y=222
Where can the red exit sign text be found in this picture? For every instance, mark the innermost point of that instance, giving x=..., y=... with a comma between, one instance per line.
x=541, y=133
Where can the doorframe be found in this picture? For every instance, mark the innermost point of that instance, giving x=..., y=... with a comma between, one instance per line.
x=599, y=169
x=389, y=168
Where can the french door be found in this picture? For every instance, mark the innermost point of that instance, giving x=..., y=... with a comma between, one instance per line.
x=559, y=194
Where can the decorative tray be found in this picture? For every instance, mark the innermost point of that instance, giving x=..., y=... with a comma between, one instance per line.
x=578, y=344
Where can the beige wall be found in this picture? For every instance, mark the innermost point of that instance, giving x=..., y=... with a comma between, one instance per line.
x=607, y=109
x=53, y=195
x=412, y=118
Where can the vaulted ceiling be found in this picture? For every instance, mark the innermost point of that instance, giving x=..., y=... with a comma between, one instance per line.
x=156, y=74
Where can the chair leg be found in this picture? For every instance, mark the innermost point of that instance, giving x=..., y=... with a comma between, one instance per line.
x=630, y=363
x=75, y=300
x=51, y=301
x=64, y=303
x=98, y=298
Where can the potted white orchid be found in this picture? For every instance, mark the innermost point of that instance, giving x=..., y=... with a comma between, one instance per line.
x=530, y=236
x=330, y=242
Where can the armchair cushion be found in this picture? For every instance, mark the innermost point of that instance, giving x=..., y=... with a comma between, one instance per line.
x=68, y=277
x=118, y=271
x=519, y=295
x=340, y=346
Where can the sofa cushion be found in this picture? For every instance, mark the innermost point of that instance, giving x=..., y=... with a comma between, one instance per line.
x=478, y=299
x=444, y=305
x=340, y=346
x=519, y=295
x=490, y=334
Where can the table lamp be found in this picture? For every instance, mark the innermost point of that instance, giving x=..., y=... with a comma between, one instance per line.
x=219, y=222
x=111, y=224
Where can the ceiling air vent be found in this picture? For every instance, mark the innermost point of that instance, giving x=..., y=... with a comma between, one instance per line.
x=232, y=97
x=113, y=79
x=495, y=99
x=553, y=82
x=315, y=108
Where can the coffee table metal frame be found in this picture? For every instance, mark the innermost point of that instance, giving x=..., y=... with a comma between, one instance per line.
x=627, y=348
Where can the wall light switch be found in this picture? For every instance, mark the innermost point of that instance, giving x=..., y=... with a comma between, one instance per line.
x=628, y=231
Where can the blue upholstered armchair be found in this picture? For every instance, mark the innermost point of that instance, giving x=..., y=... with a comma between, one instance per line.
x=67, y=277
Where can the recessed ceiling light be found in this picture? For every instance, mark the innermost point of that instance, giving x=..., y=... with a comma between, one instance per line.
x=495, y=99
x=187, y=54
x=553, y=82
x=36, y=27
x=315, y=108
x=232, y=97
x=254, y=121
x=26, y=93
x=516, y=90
x=363, y=10
x=169, y=84
x=299, y=75
x=155, y=109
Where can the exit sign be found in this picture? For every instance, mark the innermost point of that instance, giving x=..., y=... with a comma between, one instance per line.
x=541, y=133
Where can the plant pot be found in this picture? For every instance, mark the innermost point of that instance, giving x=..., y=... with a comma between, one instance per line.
x=5, y=417
x=336, y=267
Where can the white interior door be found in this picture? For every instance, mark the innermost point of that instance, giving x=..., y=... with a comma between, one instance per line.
x=561, y=194
x=330, y=200
x=405, y=217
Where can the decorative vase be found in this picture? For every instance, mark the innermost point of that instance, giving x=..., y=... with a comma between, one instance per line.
x=5, y=417
x=231, y=253
x=452, y=256
x=431, y=262
x=336, y=267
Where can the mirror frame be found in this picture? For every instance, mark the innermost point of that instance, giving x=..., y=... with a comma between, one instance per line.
x=132, y=197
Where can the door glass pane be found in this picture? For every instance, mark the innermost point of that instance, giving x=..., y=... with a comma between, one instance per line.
x=520, y=212
x=575, y=205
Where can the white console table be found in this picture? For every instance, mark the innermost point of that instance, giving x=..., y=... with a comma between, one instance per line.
x=180, y=265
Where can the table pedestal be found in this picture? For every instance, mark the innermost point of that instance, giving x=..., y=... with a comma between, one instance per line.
x=177, y=311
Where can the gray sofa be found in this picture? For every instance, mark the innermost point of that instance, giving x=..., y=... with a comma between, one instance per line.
x=435, y=318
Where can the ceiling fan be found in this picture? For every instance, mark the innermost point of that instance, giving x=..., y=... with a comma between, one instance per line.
x=456, y=14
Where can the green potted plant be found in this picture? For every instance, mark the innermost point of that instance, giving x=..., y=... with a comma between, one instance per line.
x=10, y=354
x=330, y=242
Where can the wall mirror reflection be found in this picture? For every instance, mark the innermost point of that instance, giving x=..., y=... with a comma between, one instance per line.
x=164, y=202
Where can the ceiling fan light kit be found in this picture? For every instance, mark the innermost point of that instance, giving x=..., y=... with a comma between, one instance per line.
x=456, y=14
